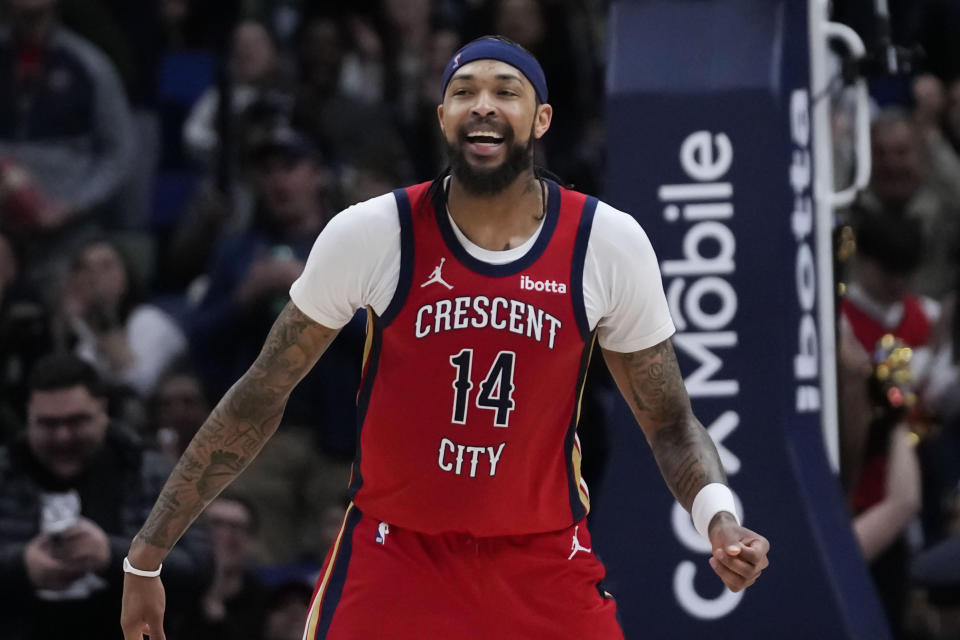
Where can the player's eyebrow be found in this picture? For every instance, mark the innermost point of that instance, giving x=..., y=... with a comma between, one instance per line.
x=499, y=76
x=509, y=76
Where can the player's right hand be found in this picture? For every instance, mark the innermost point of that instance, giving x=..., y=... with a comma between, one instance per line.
x=739, y=554
x=142, y=608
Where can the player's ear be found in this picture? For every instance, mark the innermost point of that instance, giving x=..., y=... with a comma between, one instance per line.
x=542, y=120
x=440, y=117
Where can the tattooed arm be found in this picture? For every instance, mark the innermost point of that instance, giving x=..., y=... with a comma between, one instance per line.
x=651, y=383
x=229, y=439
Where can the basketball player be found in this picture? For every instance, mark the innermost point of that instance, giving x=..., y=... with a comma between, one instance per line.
x=485, y=290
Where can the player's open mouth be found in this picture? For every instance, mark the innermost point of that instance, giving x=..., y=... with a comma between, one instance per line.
x=484, y=142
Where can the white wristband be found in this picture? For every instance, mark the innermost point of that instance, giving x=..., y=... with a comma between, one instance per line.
x=129, y=568
x=711, y=500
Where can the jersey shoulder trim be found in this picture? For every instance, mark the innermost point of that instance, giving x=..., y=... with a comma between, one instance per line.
x=578, y=264
x=405, y=279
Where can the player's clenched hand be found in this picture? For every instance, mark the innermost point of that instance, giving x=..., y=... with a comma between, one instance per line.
x=739, y=554
x=142, y=608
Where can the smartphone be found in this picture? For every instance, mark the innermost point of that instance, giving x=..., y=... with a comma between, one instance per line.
x=59, y=512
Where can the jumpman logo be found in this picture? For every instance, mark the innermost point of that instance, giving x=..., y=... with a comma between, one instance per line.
x=382, y=530
x=436, y=277
x=576, y=544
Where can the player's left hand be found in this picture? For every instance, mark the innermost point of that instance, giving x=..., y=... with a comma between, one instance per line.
x=739, y=554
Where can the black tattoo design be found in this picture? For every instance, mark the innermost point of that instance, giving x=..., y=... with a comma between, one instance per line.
x=155, y=529
x=238, y=427
x=653, y=385
x=223, y=466
x=656, y=384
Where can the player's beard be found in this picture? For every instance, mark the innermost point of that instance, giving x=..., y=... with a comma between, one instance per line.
x=490, y=181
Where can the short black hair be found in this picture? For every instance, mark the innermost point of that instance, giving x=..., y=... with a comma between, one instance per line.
x=61, y=370
x=894, y=241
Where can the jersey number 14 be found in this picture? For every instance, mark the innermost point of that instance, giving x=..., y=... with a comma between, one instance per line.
x=496, y=390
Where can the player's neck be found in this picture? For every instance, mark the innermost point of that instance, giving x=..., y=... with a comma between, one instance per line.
x=499, y=221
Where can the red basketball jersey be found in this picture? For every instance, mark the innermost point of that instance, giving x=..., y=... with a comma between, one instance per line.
x=914, y=328
x=473, y=378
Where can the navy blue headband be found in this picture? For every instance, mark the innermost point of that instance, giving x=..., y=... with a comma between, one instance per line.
x=493, y=49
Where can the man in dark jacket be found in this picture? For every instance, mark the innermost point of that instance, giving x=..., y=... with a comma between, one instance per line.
x=64, y=117
x=73, y=491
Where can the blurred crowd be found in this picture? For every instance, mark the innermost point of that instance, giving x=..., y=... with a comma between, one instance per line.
x=898, y=258
x=165, y=166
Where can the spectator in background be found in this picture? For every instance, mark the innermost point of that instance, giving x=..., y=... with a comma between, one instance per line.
x=886, y=495
x=254, y=68
x=351, y=131
x=249, y=283
x=883, y=300
x=930, y=101
x=253, y=268
x=213, y=212
x=127, y=340
x=405, y=36
x=178, y=408
x=73, y=490
x=940, y=157
x=285, y=611
x=63, y=116
x=234, y=606
x=25, y=336
x=362, y=74
x=548, y=32
x=901, y=185
x=881, y=314
x=297, y=491
x=424, y=142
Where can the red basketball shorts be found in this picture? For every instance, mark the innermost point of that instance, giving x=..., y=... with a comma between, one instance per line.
x=383, y=582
